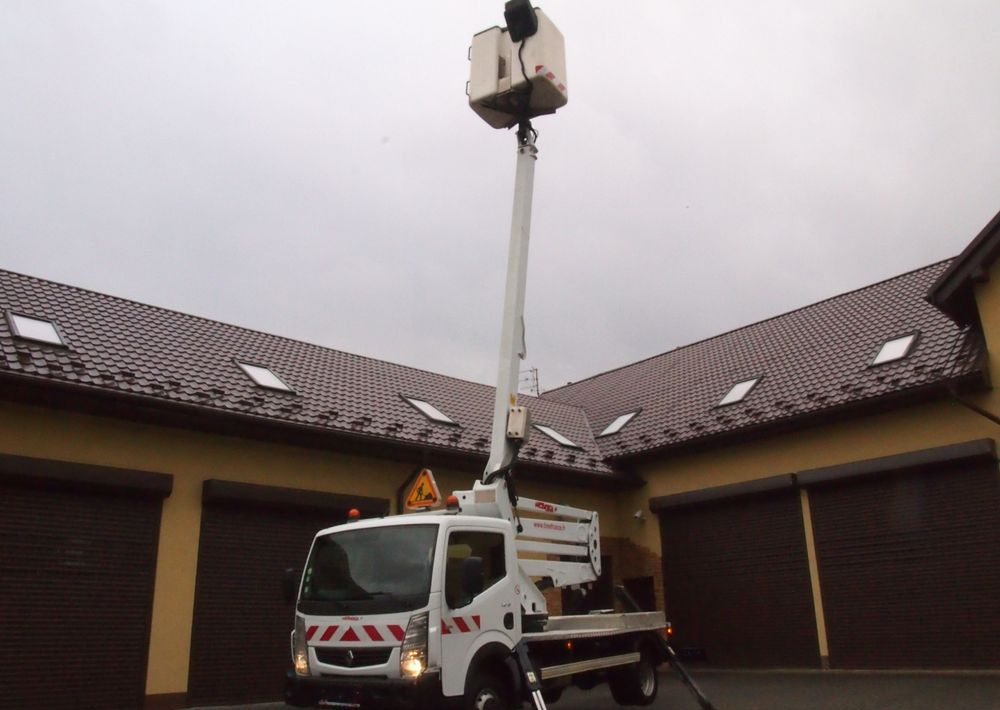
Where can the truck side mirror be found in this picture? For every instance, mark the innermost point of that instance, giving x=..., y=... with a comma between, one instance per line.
x=473, y=577
x=290, y=584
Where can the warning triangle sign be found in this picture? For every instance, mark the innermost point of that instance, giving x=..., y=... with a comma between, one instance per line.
x=425, y=493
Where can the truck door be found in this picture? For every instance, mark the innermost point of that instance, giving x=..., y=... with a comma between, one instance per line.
x=472, y=618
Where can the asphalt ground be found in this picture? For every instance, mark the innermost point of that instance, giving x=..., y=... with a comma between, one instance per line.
x=799, y=690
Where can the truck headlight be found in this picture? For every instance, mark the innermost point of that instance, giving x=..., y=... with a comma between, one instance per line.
x=300, y=651
x=413, y=655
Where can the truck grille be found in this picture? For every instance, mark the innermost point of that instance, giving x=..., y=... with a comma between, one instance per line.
x=353, y=657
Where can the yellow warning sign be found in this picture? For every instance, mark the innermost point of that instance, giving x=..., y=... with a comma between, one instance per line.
x=425, y=493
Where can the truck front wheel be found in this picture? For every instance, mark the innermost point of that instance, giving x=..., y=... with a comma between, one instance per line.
x=635, y=684
x=487, y=692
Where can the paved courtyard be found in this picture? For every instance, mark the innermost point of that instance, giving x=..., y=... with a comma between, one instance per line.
x=778, y=690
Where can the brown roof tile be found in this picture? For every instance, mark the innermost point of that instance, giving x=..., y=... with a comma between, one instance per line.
x=811, y=360
x=119, y=345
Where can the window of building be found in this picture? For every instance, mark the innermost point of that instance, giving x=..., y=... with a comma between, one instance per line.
x=264, y=377
x=739, y=391
x=430, y=411
x=895, y=349
x=37, y=329
x=552, y=433
x=618, y=424
x=462, y=544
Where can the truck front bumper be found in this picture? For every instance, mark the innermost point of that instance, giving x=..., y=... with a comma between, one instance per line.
x=363, y=692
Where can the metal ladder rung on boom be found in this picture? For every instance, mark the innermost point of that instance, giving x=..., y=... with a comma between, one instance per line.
x=572, y=534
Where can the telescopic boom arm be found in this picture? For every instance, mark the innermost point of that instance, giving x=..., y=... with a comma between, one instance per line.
x=563, y=548
x=570, y=535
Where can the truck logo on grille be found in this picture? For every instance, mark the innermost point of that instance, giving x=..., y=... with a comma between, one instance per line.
x=350, y=657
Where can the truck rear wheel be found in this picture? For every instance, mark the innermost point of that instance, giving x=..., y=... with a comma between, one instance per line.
x=635, y=684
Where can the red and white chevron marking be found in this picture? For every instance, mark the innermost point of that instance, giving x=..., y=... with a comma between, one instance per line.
x=459, y=625
x=540, y=69
x=382, y=633
x=350, y=633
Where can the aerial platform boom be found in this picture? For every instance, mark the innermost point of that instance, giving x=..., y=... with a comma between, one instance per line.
x=572, y=535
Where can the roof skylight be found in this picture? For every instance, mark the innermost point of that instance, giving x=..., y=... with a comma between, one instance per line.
x=739, y=391
x=430, y=411
x=895, y=349
x=37, y=329
x=264, y=377
x=550, y=432
x=618, y=424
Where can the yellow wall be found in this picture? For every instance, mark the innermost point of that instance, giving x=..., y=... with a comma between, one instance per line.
x=988, y=300
x=192, y=457
x=893, y=432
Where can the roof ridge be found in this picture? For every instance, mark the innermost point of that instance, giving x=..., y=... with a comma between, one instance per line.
x=242, y=327
x=750, y=325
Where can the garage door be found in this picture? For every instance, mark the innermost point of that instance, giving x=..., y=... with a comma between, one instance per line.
x=249, y=536
x=909, y=567
x=77, y=564
x=736, y=580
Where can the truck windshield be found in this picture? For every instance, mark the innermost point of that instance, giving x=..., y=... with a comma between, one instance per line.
x=369, y=570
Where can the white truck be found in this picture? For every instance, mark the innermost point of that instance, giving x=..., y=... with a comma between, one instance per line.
x=435, y=610
x=431, y=609
x=445, y=609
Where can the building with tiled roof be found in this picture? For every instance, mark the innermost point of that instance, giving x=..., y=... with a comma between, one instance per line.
x=810, y=364
x=116, y=348
x=819, y=489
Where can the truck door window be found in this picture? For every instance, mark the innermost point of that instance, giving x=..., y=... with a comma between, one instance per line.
x=466, y=543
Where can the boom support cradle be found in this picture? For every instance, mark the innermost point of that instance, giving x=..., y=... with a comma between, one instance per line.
x=565, y=531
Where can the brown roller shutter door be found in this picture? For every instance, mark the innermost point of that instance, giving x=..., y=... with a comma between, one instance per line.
x=76, y=589
x=736, y=580
x=240, y=640
x=909, y=567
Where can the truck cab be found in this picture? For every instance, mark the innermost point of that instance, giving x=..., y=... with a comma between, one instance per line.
x=400, y=609
x=430, y=610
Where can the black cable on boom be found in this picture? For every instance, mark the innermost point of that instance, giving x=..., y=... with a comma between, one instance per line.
x=507, y=472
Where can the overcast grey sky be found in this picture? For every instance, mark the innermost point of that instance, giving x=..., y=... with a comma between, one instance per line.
x=311, y=168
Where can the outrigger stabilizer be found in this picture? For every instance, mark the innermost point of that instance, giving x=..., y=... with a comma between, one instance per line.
x=530, y=676
x=630, y=604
